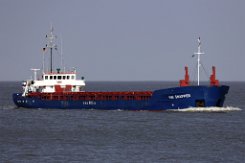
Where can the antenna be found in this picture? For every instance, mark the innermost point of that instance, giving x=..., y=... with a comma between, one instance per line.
x=51, y=45
x=198, y=53
x=61, y=54
x=43, y=66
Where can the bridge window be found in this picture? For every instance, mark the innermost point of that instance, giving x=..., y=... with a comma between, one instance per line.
x=64, y=77
x=59, y=77
x=46, y=77
x=68, y=77
x=55, y=77
x=51, y=77
x=72, y=77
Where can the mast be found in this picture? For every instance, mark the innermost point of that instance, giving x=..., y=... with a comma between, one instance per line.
x=61, y=55
x=43, y=66
x=198, y=53
x=51, y=45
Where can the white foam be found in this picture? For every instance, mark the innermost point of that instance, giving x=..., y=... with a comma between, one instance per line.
x=208, y=109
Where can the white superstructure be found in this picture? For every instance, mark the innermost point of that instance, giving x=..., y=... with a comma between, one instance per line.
x=50, y=82
x=55, y=82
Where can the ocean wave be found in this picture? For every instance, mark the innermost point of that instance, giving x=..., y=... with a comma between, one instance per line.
x=208, y=109
x=7, y=107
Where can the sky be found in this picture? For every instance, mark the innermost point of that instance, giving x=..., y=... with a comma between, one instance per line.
x=124, y=40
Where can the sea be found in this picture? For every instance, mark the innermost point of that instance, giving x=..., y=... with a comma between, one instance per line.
x=191, y=135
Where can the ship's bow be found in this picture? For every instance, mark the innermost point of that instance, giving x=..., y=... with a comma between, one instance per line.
x=189, y=96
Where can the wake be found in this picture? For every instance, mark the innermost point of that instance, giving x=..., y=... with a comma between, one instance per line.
x=208, y=109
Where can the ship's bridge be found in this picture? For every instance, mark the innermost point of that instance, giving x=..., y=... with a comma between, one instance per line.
x=59, y=76
x=51, y=81
x=57, y=82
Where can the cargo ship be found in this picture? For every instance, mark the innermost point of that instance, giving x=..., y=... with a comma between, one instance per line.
x=61, y=89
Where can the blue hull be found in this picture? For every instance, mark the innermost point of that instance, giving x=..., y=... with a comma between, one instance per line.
x=163, y=99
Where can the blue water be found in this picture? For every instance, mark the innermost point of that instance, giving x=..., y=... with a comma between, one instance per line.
x=28, y=135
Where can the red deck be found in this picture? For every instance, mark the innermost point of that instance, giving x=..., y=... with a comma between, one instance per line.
x=93, y=95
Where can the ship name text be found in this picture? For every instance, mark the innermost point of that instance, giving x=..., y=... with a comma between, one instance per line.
x=179, y=96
